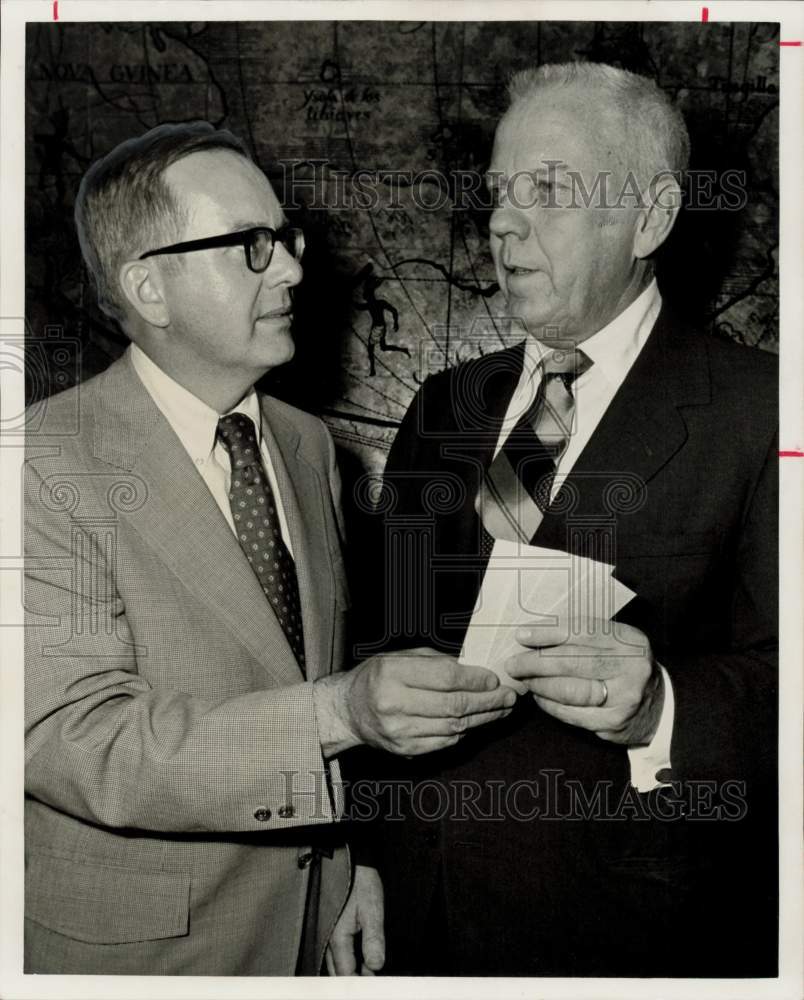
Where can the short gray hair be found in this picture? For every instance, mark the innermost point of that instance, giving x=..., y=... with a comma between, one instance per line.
x=654, y=131
x=124, y=207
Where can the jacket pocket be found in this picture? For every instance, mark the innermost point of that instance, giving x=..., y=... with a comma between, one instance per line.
x=103, y=904
x=660, y=544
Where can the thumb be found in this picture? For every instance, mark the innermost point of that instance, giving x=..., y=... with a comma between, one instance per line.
x=373, y=948
x=372, y=922
x=342, y=954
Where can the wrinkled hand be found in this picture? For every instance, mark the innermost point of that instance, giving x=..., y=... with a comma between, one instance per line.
x=418, y=700
x=565, y=674
x=363, y=915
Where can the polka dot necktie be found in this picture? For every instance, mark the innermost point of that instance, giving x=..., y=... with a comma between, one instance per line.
x=257, y=524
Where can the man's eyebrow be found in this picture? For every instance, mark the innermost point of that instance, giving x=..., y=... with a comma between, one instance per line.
x=551, y=167
x=240, y=224
x=548, y=169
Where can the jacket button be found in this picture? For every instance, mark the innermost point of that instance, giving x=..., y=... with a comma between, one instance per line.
x=262, y=815
x=304, y=860
x=287, y=812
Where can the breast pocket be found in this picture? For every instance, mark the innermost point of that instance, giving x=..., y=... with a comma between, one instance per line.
x=661, y=544
x=105, y=904
x=677, y=580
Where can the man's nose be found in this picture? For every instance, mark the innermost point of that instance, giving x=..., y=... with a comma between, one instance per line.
x=284, y=269
x=506, y=220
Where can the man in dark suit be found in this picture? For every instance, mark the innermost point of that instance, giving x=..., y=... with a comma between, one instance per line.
x=622, y=820
x=186, y=604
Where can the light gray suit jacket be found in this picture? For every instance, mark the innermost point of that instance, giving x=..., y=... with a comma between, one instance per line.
x=174, y=777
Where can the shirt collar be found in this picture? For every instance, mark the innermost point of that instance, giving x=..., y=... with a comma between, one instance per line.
x=193, y=421
x=614, y=348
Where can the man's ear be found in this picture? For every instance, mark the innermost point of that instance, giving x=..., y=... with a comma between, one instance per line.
x=143, y=288
x=659, y=215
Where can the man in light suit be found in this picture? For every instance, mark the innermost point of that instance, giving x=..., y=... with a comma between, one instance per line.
x=186, y=600
x=622, y=820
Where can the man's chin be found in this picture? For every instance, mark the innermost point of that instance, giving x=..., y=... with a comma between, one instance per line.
x=274, y=347
x=280, y=355
x=539, y=323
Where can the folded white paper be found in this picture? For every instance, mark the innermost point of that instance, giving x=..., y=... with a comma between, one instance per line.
x=530, y=585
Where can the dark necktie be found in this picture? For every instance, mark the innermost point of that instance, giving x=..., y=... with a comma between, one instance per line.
x=257, y=524
x=516, y=489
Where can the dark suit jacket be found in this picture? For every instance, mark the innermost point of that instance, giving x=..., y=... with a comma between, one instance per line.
x=577, y=874
x=174, y=780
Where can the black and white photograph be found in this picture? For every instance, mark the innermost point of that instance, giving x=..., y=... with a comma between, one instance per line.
x=402, y=454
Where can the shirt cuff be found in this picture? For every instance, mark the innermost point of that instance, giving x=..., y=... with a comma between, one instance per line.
x=647, y=761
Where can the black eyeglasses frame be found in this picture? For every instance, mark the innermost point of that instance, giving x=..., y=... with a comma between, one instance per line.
x=241, y=238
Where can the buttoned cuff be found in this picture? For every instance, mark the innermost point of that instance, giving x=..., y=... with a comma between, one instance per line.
x=647, y=762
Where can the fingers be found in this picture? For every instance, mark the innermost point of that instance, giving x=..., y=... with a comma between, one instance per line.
x=372, y=923
x=362, y=914
x=466, y=722
x=562, y=661
x=373, y=951
x=581, y=692
x=595, y=720
x=604, y=690
x=341, y=954
x=458, y=725
x=398, y=701
x=454, y=704
x=430, y=672
x=616, y=720
x=405, y=730
x=600, y=633
x=570, y=660
x=417, y=746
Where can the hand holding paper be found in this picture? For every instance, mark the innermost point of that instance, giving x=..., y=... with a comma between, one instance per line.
x=542, y=588
x=580, y=667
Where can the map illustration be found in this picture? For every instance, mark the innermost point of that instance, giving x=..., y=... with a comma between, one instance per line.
x=374, y=133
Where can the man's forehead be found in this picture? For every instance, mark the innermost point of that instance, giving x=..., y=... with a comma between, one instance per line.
x=557, y=126
x=223, y=185
x=202, y=164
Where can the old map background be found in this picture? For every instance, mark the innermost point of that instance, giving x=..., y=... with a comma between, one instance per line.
x=320, y=101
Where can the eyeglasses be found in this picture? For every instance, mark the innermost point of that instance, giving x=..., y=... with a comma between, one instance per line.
x=258, y=245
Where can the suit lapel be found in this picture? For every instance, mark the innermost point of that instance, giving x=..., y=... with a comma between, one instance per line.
x=301, y=491
x=478, y=400
x=182, y=521
x=638, y=435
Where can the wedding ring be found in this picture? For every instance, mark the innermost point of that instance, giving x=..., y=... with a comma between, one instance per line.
x=605, y=697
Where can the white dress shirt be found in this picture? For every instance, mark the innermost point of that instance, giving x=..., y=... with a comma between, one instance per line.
x=612, y=350
x=195, y=424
